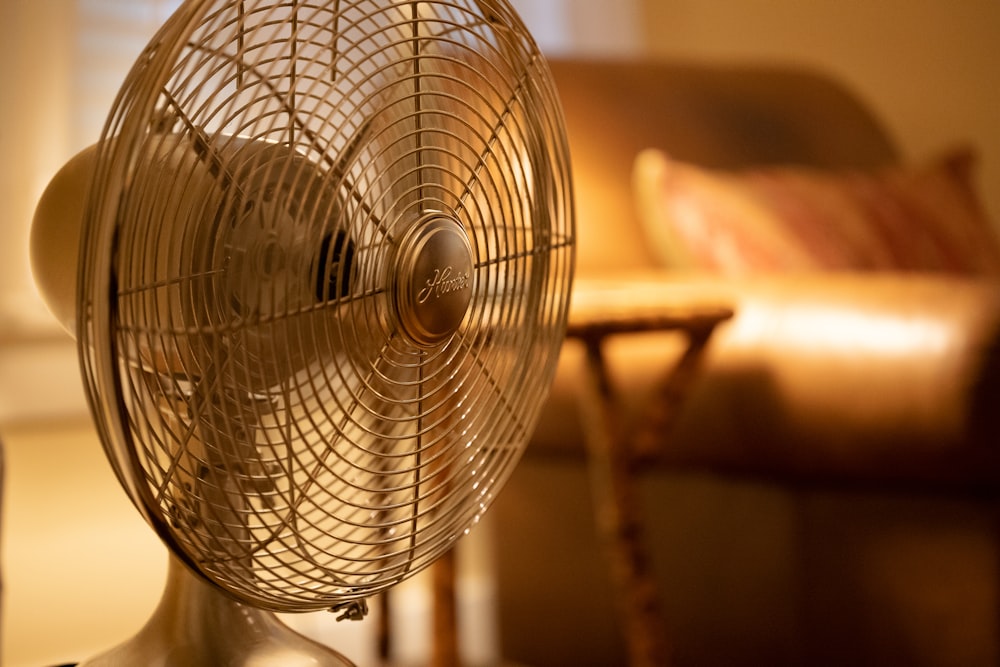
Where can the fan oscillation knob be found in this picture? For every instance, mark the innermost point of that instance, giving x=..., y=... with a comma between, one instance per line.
x=433, y=285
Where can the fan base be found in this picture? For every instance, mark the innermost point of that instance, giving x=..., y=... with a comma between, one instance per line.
x=197, y=626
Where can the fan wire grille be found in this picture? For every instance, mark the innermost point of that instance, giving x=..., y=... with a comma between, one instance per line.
x=324, y=281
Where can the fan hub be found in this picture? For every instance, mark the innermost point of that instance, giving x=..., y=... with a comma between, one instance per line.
x=433, y=285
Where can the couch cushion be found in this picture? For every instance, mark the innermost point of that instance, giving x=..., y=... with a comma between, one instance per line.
x=774, y=219
x=882, y=379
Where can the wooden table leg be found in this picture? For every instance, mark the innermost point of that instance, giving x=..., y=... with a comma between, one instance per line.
x=619, y=516
x=444, y=651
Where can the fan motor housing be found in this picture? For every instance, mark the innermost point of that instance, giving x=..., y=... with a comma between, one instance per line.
x=433, y=279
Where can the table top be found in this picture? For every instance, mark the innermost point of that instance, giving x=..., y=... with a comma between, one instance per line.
x=602, y=307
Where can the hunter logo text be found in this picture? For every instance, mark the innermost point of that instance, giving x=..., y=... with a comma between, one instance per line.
x=442, y=282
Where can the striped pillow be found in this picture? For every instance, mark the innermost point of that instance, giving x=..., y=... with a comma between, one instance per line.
x=800, y=219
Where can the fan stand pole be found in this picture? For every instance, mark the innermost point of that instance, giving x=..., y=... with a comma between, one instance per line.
x=195, y=625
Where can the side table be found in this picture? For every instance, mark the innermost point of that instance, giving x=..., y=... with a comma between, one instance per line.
x=602, y=309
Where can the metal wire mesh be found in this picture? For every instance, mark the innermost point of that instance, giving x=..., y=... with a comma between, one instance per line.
x=249, y=339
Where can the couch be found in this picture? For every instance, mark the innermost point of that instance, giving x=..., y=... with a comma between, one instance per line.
x=826, y=492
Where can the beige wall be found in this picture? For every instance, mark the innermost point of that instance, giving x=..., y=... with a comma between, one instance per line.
x=930, y=69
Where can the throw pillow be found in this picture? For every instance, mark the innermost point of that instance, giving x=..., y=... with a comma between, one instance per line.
x=772, y=219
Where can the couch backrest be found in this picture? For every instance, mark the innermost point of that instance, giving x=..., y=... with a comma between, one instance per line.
x=713, y=115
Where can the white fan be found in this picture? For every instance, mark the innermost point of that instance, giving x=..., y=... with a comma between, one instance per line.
x=325, y=263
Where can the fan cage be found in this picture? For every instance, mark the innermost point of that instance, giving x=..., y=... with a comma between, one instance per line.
x=255, y=364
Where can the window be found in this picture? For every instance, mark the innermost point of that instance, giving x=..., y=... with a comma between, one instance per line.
x=110, y=35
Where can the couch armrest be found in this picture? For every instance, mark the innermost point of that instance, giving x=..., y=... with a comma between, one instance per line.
x=847, y=378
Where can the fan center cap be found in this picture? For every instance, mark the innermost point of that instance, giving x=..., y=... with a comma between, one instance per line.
x=433, y=279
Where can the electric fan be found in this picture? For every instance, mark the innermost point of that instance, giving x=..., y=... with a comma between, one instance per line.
x=325, y=262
